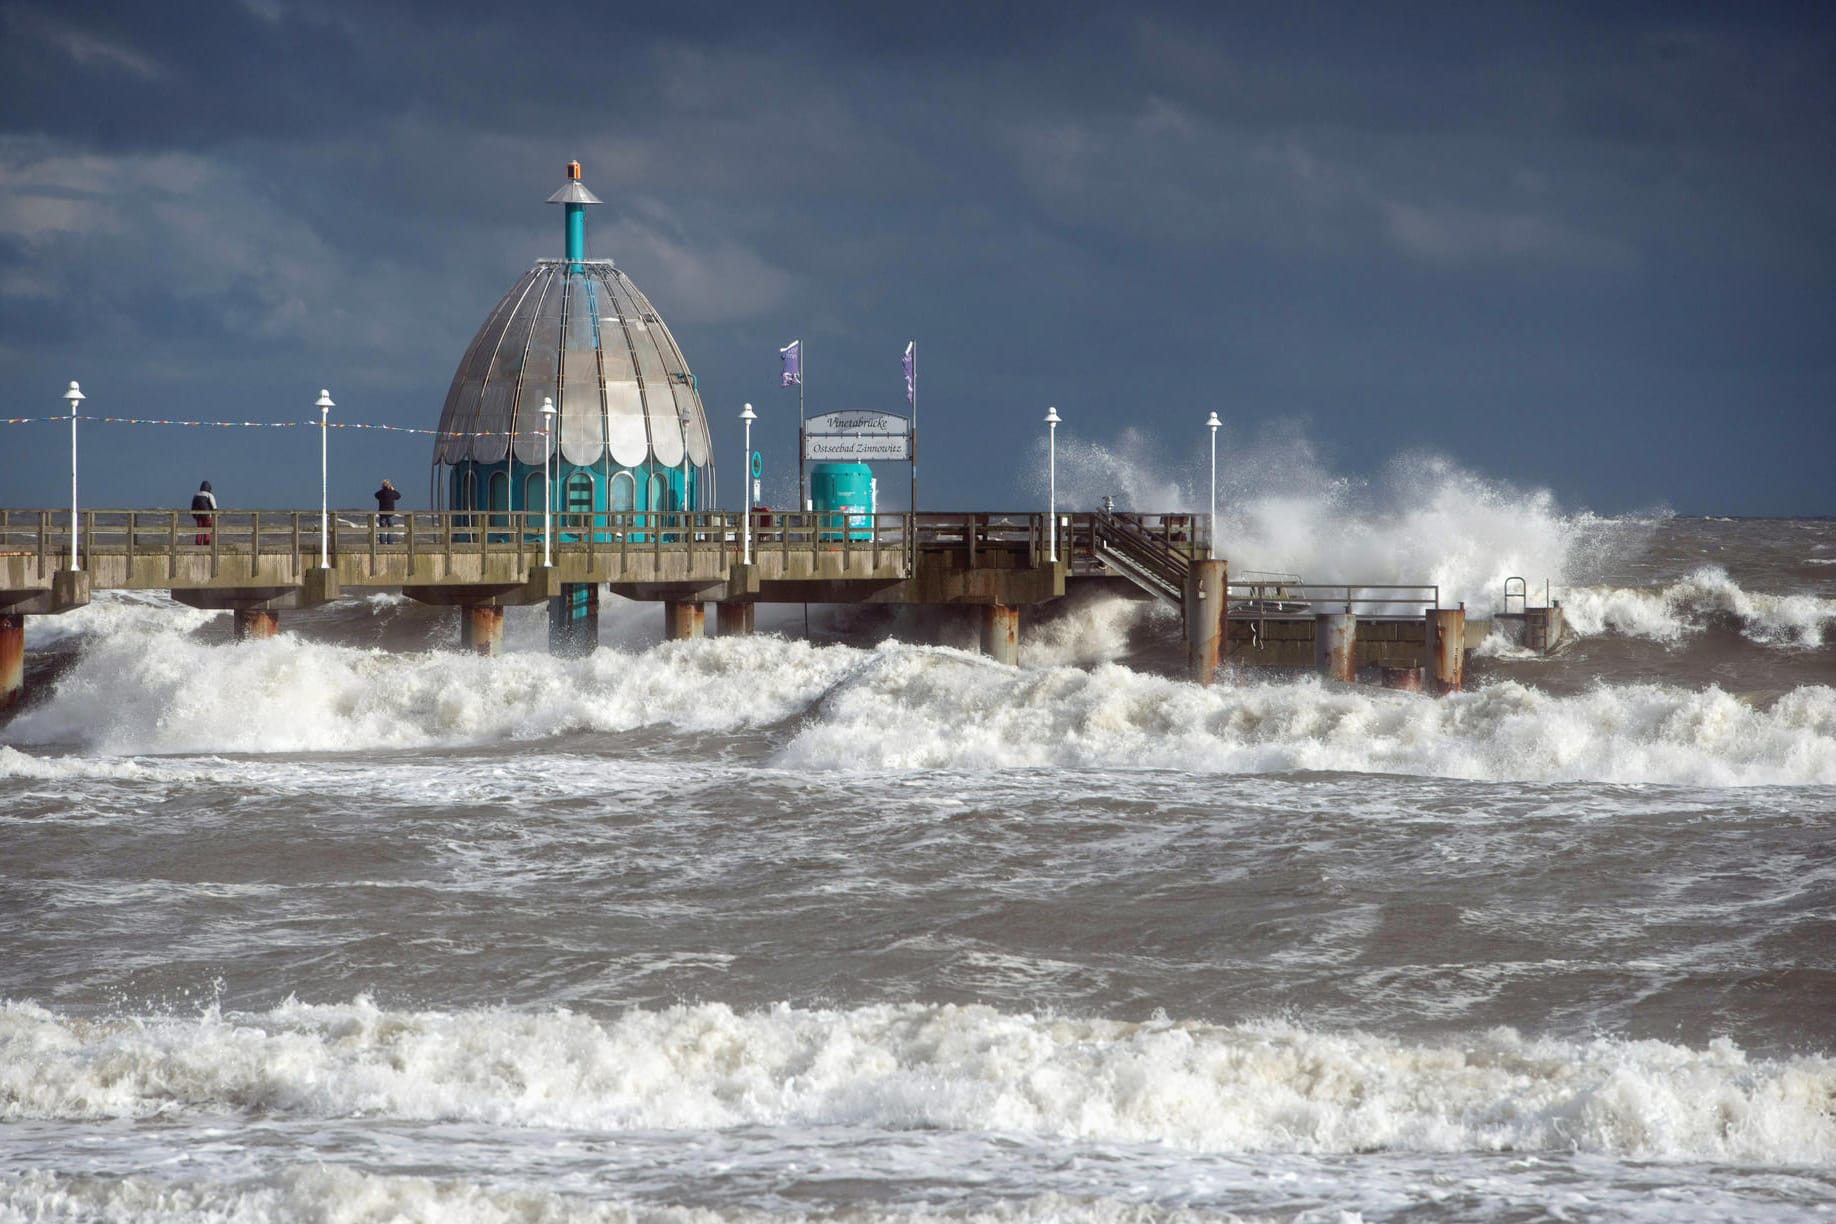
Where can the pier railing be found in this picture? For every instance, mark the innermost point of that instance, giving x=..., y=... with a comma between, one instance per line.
x=174, y=534
x=1281, y=599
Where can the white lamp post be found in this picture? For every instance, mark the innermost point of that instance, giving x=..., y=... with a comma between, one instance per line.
x=324, y=405
x=548, y=499
x=75, y=396
x=1051, y=420
x=1212, y=528
x=749, y=416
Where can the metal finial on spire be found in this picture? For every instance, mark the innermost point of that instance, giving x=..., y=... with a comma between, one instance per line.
x=575, y=195
x=574, y=191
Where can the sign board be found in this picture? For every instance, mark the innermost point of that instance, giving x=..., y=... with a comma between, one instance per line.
x=857, y=437
x=758, y=465
x=835, y=448
x=877, y=423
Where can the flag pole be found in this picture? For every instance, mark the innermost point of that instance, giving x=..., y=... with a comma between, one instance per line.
x=914, y=430
x=802, y=481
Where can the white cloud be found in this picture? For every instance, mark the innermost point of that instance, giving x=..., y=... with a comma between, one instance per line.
x=87, y=48
x=1453, y=234
x=690, y=278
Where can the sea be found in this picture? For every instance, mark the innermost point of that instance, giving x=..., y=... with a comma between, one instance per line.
x=843, y=921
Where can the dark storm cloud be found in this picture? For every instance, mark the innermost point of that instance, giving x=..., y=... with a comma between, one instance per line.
x=1498, y=229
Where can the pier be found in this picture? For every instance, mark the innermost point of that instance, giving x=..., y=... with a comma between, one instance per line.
x=259, y=564
x=573, y=456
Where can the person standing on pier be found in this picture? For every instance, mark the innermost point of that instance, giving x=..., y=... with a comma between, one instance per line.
x=386, y=497
x=203, y=505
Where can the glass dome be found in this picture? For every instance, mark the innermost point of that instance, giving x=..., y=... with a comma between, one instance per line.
x=580, y=332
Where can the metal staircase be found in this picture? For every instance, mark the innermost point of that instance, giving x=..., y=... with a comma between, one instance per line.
x=1141, y=558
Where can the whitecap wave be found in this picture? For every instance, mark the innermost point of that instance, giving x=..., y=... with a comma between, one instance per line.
x=1685, y=608
x=1269, y=1087
x=901, y=706
x=914, y=709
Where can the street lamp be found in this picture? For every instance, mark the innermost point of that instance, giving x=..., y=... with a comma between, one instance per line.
x=75, y=396
x=749, y=416
x=324, y=405
x=1051, y=420
x=548, y=498
x=1212, y=529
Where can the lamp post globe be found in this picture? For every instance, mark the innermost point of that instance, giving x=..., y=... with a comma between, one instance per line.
x=75, y=396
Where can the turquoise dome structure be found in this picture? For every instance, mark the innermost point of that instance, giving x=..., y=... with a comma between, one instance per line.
x=630, y=430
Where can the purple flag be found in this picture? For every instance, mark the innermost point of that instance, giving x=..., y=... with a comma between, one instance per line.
x=911, y=373
x=793, y=363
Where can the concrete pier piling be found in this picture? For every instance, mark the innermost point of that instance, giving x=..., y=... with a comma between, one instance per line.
x=12, y=658
x=1446, y=649
x=684, y=619
x=481, y=629
x=1335, y=645
x=254, y=624
x=1001, y=633
x=573, y=620
x=734, y=617
x=1204, y=614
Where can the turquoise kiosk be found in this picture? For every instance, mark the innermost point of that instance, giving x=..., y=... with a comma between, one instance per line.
x=842, y=496
x=630, y=433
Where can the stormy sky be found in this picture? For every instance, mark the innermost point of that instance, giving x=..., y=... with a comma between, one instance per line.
x=1583, y=247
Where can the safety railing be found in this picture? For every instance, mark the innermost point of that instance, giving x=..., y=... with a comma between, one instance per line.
x=222, y=534
x=230, y=533
x=1277, y=598
x=1188, y=535
x=1129, y=543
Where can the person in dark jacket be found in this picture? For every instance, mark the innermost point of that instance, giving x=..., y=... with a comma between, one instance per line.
x=386, y=497
x=203, y=507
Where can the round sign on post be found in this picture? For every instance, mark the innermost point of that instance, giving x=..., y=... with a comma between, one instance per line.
x=758, y=465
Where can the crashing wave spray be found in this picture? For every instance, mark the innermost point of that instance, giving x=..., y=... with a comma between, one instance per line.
x=1421, y=518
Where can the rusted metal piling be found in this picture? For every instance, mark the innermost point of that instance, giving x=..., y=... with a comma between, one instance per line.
x=481, y=628
x=12, y=658
x=684, y=619
x=1205, y=607
x=1001, y=633
x=734, y=617
x=1446, y=649
x=1335, y=645
x=255, y=624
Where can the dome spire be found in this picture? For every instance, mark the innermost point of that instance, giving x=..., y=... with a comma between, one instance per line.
x=576, y=197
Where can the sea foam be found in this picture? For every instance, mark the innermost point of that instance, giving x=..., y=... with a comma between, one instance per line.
x=1687, y=607
x=902, y=706
x=1270, y=1087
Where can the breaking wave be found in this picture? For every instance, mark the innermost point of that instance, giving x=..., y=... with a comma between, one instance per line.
x=1706, y=597
x=901, y=706
x=1269, y=1087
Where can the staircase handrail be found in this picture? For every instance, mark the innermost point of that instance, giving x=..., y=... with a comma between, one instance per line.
x=1143, y=549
